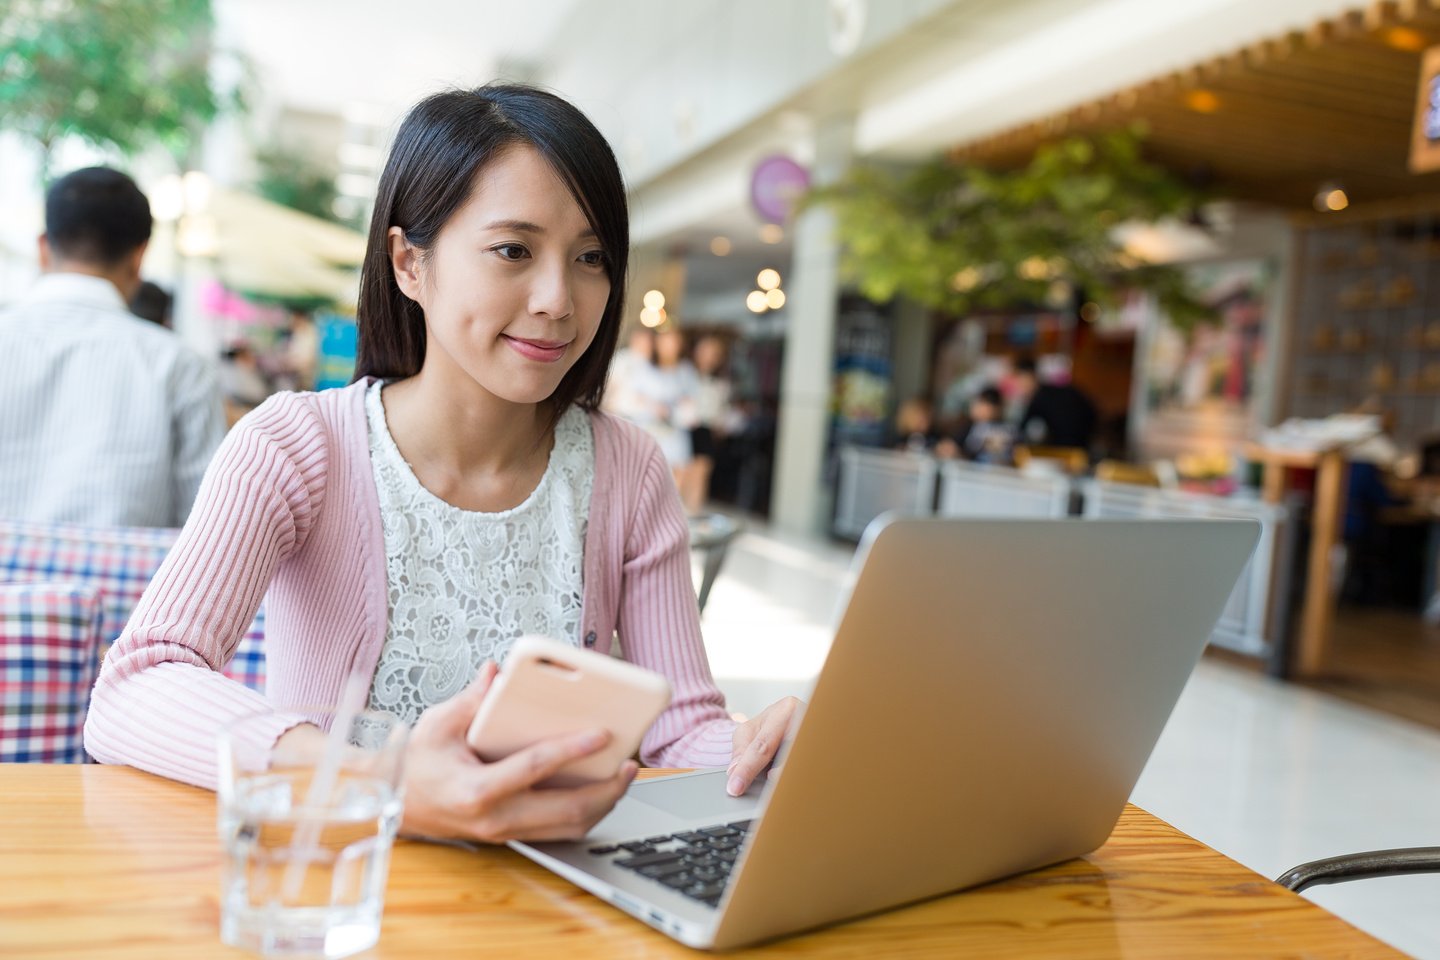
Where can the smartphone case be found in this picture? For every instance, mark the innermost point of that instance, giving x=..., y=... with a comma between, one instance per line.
x=547, y=689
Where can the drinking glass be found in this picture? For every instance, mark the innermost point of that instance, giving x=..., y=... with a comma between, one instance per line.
x=307, y=846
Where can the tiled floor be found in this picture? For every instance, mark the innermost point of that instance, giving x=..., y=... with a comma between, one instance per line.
x=1268, y=773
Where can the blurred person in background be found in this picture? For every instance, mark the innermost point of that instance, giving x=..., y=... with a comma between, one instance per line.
x=244, y=383
x=915, y=425
x=152, y=303
x=1053, y=415
x=302, y=351
x=674, y=389
x=463, y=491
x=987, y=438
x=715, y=420
x=105, y=419
x=633, y=364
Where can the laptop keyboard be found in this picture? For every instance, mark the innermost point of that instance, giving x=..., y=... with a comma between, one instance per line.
x=693, y=862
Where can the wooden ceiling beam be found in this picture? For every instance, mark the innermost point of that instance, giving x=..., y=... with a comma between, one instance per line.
x=1381, y=14
x=1336, y=99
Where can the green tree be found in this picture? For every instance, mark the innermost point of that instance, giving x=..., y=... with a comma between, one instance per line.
x=293, y=180
x=962, y=238
x=125, y=74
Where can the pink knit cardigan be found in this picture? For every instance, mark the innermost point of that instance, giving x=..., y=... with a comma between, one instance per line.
x=289, y=506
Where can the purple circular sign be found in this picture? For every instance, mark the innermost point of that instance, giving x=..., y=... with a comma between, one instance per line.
x=775, y=185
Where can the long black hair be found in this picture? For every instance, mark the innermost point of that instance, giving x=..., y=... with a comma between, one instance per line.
x=441, y=146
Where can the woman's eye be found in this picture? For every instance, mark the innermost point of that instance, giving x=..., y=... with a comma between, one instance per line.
x=511, y=251
x=595, y=258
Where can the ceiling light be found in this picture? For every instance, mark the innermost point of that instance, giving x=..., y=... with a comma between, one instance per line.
x=772, y=233
x=755, y=301
x=654, y=299
x=775, y=299
x=768, y=279
x=1405, y=38
x=1331, y=197
x=1202, y=101
x=652, y=316
x=720, y=246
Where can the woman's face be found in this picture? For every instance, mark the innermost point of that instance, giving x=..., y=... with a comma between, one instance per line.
x=515, y=284
x=709, y=354
x=669, y=347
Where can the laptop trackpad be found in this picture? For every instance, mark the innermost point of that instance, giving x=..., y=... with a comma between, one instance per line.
x=699, y=796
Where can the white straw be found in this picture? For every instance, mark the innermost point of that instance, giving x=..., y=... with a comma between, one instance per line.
x=307, y=831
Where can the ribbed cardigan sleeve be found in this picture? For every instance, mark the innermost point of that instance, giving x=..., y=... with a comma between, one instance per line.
x=659, y=619
x=160, y=700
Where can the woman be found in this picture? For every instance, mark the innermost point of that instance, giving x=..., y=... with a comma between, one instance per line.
x=671, y=388
x=715, y=419
x=463, y=491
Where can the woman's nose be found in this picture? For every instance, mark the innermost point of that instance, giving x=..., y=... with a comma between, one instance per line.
x=550, y=296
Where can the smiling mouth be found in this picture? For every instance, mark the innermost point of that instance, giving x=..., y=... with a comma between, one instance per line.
x=544, y=351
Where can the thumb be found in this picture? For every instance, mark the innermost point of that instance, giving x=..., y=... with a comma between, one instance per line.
x=460, y=709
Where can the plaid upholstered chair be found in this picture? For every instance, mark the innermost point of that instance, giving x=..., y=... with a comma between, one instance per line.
x=48, y=638
x=110, y=566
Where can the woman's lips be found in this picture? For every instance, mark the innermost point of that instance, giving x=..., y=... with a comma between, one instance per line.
x=543, y=351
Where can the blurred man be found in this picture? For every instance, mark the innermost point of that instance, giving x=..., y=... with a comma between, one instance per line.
x=105, y=419
x=1055, y=415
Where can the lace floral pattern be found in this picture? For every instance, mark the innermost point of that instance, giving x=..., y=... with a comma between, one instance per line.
x=462, y=586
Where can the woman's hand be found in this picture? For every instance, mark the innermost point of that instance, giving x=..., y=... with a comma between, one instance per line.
x=450, y=793
x=756, y=741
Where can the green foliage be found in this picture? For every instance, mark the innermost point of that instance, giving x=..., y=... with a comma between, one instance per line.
x=293, y=180
x=120, y=73
x=964, y=239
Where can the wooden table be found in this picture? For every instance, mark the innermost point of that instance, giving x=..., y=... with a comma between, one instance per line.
x=1327, y=518
x=109, y=862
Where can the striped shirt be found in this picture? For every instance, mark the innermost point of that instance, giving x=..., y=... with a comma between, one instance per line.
x=289, y=512
x=105, y=419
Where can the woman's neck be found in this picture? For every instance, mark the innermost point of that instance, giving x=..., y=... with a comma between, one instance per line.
x=467, y=446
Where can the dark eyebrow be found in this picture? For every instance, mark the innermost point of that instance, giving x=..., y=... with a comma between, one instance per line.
x=525, y=226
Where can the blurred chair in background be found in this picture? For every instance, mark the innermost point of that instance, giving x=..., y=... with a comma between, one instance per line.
x=1118, y=471
x=1072, y=460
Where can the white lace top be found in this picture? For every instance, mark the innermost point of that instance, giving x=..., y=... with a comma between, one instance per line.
x=462, y=586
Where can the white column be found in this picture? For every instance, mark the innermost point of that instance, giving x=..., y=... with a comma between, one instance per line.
x=801, y=502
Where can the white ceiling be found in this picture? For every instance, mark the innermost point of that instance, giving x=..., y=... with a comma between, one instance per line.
x=330, y=55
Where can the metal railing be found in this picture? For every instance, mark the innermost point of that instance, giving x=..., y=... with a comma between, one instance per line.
x=1254, y=619
x=873, y=481
x=981, y=490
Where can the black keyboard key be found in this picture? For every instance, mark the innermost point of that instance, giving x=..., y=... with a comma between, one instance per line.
x=657, y=870
x=727, y=843
x=704, y=891
x=677, y=881
x=743, y=825
x=691, y=836
x=648, y=859
x=720, y=832
x=602, y=851
x=728, y=855
x=656, y=841
x=637, y=846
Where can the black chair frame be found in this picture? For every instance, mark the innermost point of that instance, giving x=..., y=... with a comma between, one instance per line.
x=1362, y=866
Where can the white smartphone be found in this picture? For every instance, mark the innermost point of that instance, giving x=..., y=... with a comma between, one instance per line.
x=548, y=689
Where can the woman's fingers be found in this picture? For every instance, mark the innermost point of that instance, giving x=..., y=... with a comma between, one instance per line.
x=555, y=814
x=541, y=761
x=452, y=718
x=756, y=743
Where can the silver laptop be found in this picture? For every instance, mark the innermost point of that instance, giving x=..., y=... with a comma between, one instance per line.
x=992, y=694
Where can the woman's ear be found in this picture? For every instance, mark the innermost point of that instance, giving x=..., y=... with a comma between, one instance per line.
x=404, y=262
